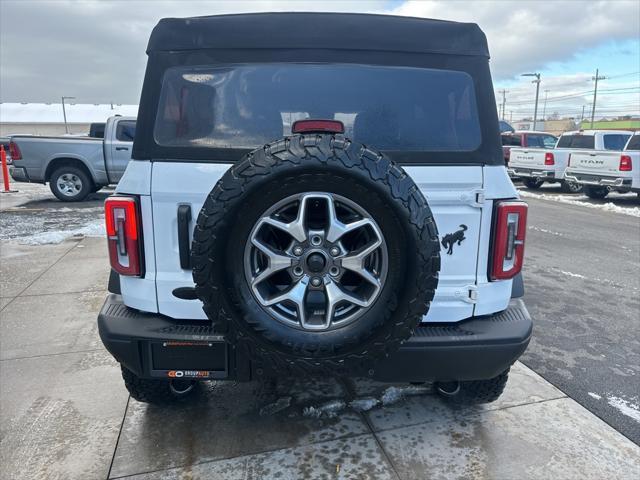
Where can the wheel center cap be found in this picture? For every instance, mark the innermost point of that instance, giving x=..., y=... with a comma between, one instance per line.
x=316, y=262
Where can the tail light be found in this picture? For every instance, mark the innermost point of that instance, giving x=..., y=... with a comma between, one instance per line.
x=508, y=239
x=626, y=165
x=123, y=235
x=14, y=151
x=549, y=159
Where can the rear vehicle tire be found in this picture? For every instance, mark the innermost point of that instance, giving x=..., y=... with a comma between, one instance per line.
x=158, y=391
x=474, y=391
x=570, y=187
x=278, y=201
x=70, y=184
x=532, y=183
x=597, y=193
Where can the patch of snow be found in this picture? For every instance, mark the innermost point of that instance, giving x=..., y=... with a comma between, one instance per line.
x=580, y=201
x=329, y=409
x=570, y=274
x=543, y=230
x=93, y=229
x=395, y=394
x=275, y=407
x=364, y=404
x=594, y=395
x=625, y=407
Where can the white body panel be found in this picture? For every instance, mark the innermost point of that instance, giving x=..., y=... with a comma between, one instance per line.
x=456, y=196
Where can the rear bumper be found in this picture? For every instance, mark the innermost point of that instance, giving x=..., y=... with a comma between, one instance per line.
x=19, y=174
x=156, y=346
x=599, y=180
x=515, y=171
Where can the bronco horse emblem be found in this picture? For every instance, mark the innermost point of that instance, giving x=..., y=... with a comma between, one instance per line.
x=451, y=238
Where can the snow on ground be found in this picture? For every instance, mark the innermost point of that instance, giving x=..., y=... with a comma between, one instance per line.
x=629, y=408
x=544, y=230
x=570, y=274
x=93, y=229
x=389, y=396
x=594, y=395
x=582, y=201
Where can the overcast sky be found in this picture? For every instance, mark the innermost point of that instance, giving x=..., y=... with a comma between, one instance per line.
x=94, y=50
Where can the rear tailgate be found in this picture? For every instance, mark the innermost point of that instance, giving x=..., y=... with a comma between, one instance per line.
x=455, y=195
x=527, y=157
x=596, y=162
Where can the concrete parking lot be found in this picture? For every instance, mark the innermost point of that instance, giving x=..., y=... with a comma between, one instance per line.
x=66, y=414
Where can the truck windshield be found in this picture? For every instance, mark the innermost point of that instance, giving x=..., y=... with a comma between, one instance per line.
x=576, y=141
x=389, y=108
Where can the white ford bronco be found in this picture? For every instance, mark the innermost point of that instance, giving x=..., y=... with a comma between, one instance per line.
x=316, y=194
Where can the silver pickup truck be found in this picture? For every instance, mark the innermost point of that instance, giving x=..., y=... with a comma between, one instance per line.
x=74, y=167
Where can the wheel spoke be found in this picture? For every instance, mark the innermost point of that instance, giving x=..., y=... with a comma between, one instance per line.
x=336, y=294
x=355, y=261
x=296, y=227
x=295, y=294
x=276, y=262
x=337, y=228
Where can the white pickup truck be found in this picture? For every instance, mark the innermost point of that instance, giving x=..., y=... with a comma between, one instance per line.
x=601, y=171
x=537, y=166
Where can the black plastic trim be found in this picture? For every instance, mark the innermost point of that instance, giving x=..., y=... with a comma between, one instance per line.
x=114, y=283
x=184, y=249
x=517, y=287
x=474, y=349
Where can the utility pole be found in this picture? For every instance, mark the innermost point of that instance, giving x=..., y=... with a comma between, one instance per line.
x=544, y=109
x=595, y=93
x=64, y=112
x=582, y=116
x=537, y=82
x=504, y=101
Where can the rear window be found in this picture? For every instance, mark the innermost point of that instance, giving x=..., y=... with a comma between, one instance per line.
x=615, y=141
x=541, y=141
x=389, y=108
x=576, y=141
x=634, y=143
x=511, y=140
x=126, y=131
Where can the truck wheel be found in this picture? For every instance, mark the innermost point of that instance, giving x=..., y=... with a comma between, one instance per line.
x=316, y=255
x=597, y=193
x=570, y=187
x=70, y=184
x=532, y=183
x=474, y=391
x=158, y=391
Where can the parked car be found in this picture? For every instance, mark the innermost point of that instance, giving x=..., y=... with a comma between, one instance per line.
x=245, y=245
x=5, y=141
x=540, y=165
x=526, y=138
x=603, y=170
x=74, y=166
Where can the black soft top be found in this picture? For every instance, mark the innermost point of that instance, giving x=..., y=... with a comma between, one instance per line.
x=338, y=31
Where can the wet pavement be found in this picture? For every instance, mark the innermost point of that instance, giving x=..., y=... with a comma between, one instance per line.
x=65, y=413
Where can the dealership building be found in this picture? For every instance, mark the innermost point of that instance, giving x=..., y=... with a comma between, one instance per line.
x=49, y=118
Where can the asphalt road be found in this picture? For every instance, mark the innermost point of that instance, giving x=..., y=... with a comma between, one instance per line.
x=582, y=281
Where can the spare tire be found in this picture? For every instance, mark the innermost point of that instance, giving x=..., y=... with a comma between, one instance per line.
x=315, y=255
